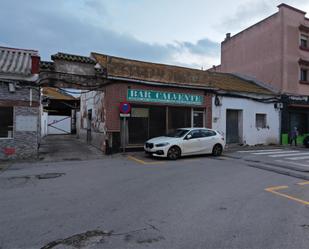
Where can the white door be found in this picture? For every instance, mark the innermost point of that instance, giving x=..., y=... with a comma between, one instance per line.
x=208, y=140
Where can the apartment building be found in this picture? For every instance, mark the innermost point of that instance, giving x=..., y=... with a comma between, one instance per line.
x=275, y=50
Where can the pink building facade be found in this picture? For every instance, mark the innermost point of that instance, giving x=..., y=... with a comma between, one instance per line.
x=276, y=51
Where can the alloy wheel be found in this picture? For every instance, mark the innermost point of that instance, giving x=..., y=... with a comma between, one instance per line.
x=217, y=150
x=173, y=153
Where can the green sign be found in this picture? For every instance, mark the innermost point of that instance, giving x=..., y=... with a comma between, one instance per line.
x=164, y=97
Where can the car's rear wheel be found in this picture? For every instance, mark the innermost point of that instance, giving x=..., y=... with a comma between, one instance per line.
x=217, y=150
x=174, y=153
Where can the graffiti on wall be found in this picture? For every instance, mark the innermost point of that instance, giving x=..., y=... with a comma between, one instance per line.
x=93, y=102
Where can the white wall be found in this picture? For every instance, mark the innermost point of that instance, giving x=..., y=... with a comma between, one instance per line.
x=250, y=134
x=44, y=120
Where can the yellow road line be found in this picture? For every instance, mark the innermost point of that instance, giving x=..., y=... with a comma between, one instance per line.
x=273, y=190
x=303, y=183
x=142, y=161
x=276, y=188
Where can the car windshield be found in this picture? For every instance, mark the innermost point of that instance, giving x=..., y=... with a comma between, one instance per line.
x=178, y=133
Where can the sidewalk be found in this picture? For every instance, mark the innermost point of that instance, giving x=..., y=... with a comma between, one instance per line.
x=273, y=158
x=237, y=147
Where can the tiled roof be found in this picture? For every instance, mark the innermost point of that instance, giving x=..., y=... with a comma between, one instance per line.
x=257, y=82
x=16, y=61
x=73, y=58
x=46, y=65
x=232, y=83
x=54, y=93
x=151, y=72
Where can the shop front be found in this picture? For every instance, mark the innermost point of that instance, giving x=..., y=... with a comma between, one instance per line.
x=158, y=112
x=295, y=113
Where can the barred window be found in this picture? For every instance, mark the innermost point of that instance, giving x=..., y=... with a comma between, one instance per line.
x=260, y=120
x=6, y=122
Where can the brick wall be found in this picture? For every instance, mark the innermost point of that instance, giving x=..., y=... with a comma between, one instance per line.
x=116, y=93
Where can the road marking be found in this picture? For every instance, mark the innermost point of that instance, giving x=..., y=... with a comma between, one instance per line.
x=298, y=158
x=276, y=188
x=275, y=152
x=297, y=164
x=303, y=183
x=273, y=190
x=251, y=151
x=225, y=158
x=142, y=161
x=290, y=154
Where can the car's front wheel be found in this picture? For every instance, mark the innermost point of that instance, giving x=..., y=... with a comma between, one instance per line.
x=173, y=153
x=217, y=150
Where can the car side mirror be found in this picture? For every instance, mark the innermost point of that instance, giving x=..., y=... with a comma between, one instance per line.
x=189, y=136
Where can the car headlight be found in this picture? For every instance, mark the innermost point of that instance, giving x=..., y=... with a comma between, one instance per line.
x=162, y=144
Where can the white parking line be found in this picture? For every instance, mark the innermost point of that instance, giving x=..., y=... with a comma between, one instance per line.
x=291, y=154
x=298, y=158
x=252, y=151
x=297, y=164
x=275, y=152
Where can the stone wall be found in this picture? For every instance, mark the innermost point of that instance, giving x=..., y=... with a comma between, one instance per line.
x=24, y=143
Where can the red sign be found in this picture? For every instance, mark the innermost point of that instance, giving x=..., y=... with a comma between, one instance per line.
x=9, y=151
x=125, y=108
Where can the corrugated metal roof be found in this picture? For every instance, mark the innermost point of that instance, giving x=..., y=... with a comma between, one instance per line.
x=54, y=93
x=15, y=61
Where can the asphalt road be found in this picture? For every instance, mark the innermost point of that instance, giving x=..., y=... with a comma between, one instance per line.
x=128, y=201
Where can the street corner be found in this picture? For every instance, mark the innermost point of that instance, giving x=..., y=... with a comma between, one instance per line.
x=298, y=192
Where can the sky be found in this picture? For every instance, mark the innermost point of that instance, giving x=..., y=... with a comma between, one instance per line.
x=178, y=32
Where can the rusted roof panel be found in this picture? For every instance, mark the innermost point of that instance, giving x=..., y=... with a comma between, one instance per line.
x=140, y=70
x=152, y=72
x=54, y=93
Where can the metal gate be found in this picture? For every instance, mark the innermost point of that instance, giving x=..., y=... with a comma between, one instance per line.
x=232, y=126
x=58, y=125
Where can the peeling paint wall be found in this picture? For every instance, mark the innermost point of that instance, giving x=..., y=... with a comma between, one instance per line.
x=93, y=102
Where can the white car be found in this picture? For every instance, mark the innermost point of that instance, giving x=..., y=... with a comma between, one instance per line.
x=186, y=141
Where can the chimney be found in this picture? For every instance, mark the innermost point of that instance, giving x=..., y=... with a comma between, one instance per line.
x=35, y=64
x=228, y=36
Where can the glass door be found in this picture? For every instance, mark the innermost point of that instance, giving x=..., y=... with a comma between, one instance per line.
x=198, y=119
x=138, y=125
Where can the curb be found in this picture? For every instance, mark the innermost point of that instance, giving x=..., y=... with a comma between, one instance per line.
x=281, y=171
